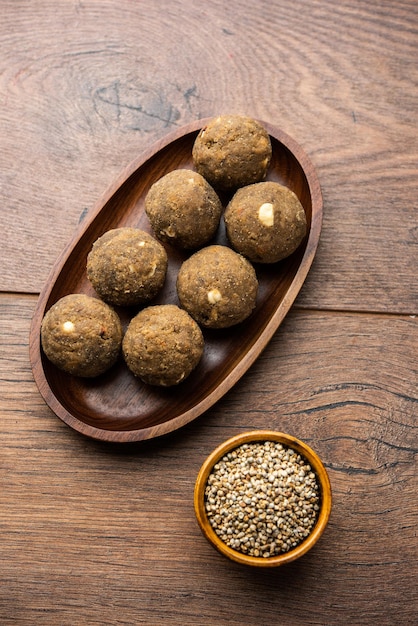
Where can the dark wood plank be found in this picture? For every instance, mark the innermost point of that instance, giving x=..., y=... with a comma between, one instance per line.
x=87, y=88
x=95, y=533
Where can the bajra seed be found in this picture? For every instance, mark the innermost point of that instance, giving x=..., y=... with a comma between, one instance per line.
x=262, y=499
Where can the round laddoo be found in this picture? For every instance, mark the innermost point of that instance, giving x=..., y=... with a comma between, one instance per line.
x=232, y=151
x=81, y=335
x=127, y=266
x=162, y=345
x=217, y=286
x=183, y=209
x=265, y=222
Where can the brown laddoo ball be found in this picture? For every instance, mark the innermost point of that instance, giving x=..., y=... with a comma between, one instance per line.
x=162, y=345
x=127, y=266
x=217, y=286
x=183, y=209
x=265, y=222
x=81, y=335
x=232, y=151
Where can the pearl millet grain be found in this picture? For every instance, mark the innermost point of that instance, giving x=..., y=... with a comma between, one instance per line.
x=262, y=499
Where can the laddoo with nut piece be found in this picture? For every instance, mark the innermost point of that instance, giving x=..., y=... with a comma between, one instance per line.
x=217, y=286
x=162, y=345
x=232, y=151
x=127, y=266
x=183, y=209
x=81, y=335
x=265, y=222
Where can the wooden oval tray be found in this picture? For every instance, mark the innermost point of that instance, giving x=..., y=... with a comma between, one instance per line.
x=118, y=407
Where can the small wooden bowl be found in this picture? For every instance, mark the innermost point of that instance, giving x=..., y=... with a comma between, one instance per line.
x=325, y=491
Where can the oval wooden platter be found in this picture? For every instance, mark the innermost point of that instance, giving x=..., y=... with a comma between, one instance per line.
x=117, y=407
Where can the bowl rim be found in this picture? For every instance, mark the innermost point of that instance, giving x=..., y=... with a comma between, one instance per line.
x=256, y=436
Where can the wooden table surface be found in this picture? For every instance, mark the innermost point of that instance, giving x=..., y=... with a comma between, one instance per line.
x=92, y=533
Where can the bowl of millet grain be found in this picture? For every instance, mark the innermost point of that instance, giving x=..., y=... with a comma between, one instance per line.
x=262, y=498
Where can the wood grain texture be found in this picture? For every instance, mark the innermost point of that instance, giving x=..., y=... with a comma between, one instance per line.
x=87, y=86
x=96, y=534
